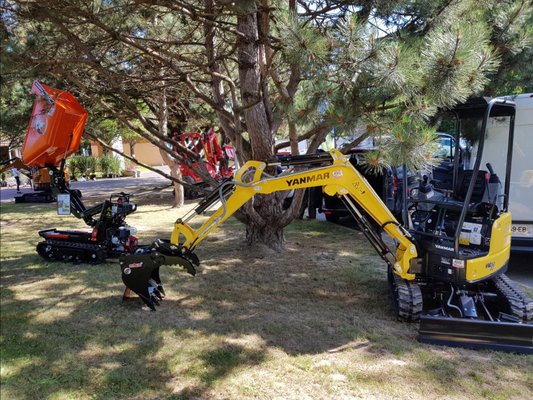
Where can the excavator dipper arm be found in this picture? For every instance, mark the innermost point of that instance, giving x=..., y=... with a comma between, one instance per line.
x=338, y=178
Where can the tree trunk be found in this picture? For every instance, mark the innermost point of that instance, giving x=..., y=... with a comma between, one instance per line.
x=255, y=111
x=262, y=226
x=175, y=172
x=267, y=235
x=293, y=139
x=263, y=212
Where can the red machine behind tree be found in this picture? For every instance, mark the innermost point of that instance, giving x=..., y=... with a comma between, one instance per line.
x=215, y=158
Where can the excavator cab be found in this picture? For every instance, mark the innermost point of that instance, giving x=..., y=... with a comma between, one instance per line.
x=462, y=224
x=466, y=224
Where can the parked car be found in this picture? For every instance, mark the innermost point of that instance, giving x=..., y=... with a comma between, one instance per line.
x=388, y=185
x=441, y=175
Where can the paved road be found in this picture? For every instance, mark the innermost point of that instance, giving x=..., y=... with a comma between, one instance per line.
x=102, y=188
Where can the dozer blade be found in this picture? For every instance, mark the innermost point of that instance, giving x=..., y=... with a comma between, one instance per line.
x=476, y=334
x=140, y=271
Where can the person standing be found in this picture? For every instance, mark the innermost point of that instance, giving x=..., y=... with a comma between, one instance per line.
x=16, y=175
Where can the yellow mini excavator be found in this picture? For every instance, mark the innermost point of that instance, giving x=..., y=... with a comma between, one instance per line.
x=447, y=270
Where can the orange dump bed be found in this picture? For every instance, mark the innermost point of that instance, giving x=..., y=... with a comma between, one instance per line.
x=56, y=125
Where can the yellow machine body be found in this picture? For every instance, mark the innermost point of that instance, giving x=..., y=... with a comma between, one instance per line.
x=499, y=252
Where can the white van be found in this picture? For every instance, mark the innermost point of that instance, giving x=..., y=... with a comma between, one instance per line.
x=521, y=189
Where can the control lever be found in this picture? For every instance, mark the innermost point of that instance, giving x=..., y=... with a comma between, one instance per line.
x=425, y=186
x=493, y=177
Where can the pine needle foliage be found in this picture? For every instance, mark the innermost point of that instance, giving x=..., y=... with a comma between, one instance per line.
x=456, y=61
x=271, y=70
x=410, y=142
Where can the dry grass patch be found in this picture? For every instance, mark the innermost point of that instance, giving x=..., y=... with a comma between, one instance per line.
x=312, y=322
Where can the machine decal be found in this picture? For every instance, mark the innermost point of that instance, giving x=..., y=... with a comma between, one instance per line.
x=440, y=247
x=336, y=174
x=458, y=263
x=40, y=124
x=307, y=179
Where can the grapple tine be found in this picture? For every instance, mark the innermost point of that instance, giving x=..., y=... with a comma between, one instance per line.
x=140, y=271
x=138, y=274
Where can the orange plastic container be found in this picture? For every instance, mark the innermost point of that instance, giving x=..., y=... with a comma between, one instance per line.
x=55, y=129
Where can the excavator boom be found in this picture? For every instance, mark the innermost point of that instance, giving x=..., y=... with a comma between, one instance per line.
x=337, y=178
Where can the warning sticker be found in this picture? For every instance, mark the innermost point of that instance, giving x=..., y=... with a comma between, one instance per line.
x=336, y=174
x=471, y=233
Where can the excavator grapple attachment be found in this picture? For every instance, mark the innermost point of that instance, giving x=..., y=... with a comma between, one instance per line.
x=511, y=337
x=140, y=271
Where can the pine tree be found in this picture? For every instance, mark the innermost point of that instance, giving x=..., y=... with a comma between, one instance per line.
x=272, y=70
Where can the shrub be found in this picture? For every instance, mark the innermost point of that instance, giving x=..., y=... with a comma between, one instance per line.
x=115, y=165
x=92, y=164
x=109, y=165
x=85, y=165
x=104, y=163
x=73, y=165
x=82, y=165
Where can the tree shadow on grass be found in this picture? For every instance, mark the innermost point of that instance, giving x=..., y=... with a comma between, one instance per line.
x=65, y=341
x=215, y=365
x=61, y=341
x=54, y=359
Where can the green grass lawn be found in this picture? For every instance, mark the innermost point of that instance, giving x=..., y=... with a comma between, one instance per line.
x=313, y=322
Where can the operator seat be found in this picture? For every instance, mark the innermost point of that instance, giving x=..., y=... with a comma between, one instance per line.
x=480, y=186
x=487, y=191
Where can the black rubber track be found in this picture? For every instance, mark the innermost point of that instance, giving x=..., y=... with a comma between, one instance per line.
x=521, y=305
x=407, y=298
x=58, y=250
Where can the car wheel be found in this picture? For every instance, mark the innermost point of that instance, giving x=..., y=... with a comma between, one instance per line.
x=332, y=218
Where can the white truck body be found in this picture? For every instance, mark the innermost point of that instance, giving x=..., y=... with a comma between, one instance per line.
x=521, y=189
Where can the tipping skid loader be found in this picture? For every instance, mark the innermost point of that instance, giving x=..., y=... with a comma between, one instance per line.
x=455, y=287
x=54, y=133
x=110, y=236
